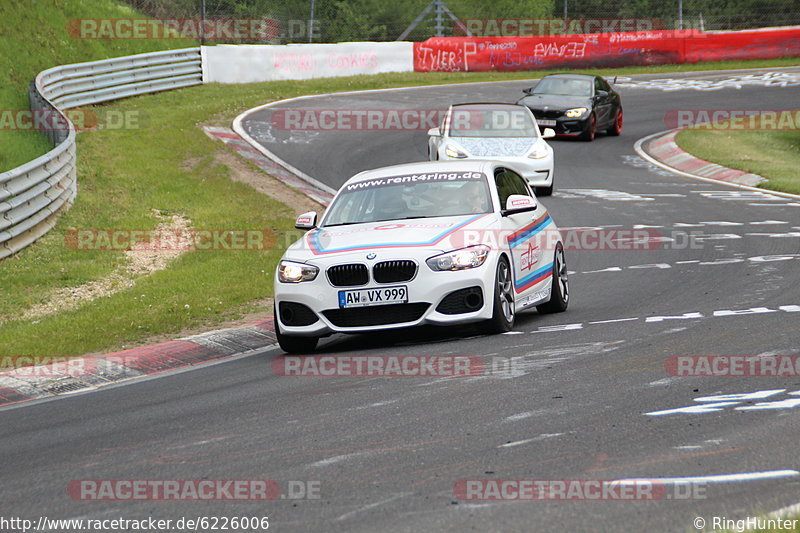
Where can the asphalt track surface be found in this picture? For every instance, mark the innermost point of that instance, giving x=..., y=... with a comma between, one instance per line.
x=387, y=452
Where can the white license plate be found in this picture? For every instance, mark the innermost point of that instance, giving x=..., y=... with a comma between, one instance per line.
x=544, y=122
x=383, y=296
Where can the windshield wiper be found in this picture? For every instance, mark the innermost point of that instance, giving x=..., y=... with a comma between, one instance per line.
x=342, y=224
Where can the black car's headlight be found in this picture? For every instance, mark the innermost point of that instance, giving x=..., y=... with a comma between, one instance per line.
x=575, y=112
x=470, y=257
x=291, y=272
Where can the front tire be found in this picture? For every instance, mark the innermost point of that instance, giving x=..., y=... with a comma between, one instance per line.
x=559, y=291
x=503, y=312
x=616, y=129
x=591, y=128
x=292, y=344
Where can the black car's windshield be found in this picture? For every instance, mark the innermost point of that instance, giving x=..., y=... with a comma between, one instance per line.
x=490, y=120
x=564, y=86
x=410, y=196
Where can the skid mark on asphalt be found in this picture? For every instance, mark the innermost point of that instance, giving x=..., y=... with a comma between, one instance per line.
x=602, y=460
x=354, y=512
x=754, y=198
x=543, y=436
x=714, y=404
x=532, y=361
x=747, y=196
x=613, y=196
x=519, y=416
x=766, y=79
x=758, y=260
x=768, y=222
x=781, y=311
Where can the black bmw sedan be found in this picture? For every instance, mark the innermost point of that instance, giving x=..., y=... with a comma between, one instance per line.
x=575, y=105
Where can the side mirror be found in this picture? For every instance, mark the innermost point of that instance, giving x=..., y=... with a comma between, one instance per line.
x=518, y=203
x=306, y=220
x=548, y=133
x=433, y=132
x=528, y=91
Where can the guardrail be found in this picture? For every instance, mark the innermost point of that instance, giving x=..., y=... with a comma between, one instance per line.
x=33, y=195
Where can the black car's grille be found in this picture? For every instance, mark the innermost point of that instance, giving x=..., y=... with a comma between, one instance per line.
x=539, y=113
x=348, y=275
x=376, y=315
x=461, y=301
x=295, y=314
x=394, y=271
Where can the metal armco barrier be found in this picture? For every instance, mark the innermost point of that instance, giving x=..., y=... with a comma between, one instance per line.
x=33, y=195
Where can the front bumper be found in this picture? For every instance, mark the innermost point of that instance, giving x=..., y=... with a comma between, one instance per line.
x=568, y=127
x=426, y=293
x=537, y=172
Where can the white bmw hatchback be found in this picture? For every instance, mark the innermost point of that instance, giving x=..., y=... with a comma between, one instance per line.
x=501, y=132
x=420, y=243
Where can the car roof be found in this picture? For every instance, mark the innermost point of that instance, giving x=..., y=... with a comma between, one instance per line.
x=485, y=167
x=493, y=104
x=571, y=76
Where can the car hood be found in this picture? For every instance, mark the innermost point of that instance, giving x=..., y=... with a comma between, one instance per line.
x=387, y=239
x=555, y=101
x=495, y=146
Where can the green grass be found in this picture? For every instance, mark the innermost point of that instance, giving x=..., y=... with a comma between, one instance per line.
x=124, y=175
x=774, y=155
x=34, y=37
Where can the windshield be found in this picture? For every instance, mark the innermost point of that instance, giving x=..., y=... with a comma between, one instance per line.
x=491, y=121
x=425, y=195
x=564, y=86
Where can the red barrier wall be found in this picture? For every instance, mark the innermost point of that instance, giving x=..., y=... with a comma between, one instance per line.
x=462, y=54
x=758, y=44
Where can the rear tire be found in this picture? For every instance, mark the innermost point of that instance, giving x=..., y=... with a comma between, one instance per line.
x=616, y=129
x=293, y=344
x=503, y=312
x=591, y=127
x=559, y=291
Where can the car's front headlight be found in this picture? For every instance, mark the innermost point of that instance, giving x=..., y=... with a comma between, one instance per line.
x=452, y=151
x=291, y=272
x=575, y=112
x=539, y=151
x=471, y=257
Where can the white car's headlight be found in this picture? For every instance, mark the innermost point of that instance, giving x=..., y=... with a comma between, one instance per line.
x=291, y=272
x=452, y=151
x=539, y=151
x=471, y=257
x=575, y=112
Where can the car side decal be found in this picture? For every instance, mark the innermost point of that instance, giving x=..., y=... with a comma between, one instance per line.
x=523, y=236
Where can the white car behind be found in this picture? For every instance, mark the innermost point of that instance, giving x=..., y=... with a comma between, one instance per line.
x=500, y=132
